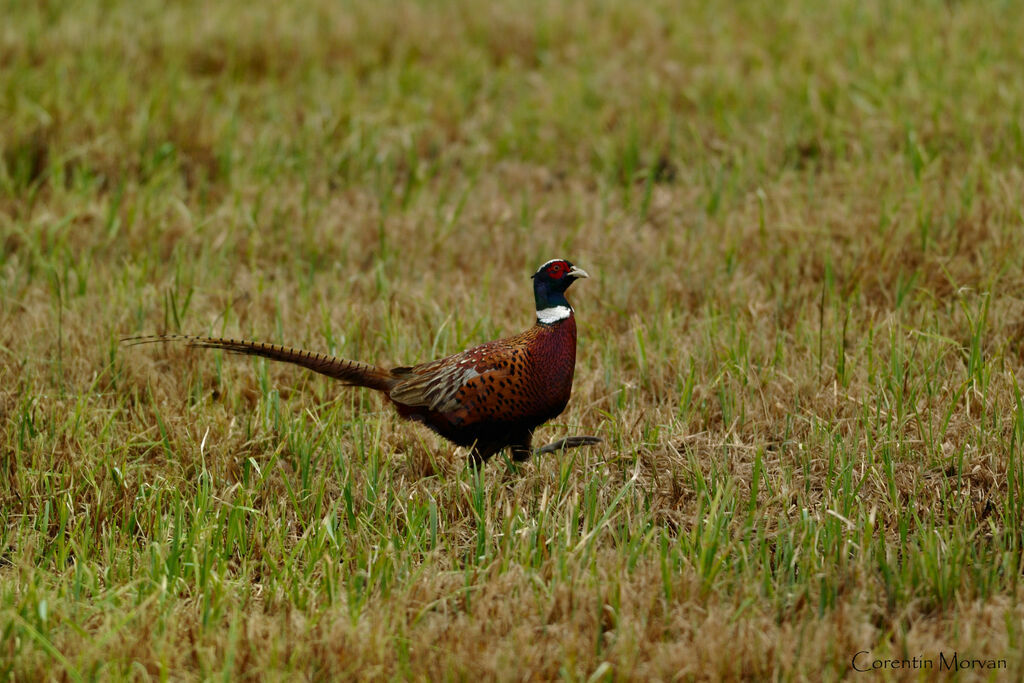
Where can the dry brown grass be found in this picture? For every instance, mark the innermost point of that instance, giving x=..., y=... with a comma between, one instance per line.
x=801, y=341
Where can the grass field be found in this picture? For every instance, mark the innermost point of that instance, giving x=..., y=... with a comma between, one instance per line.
x=801, y=341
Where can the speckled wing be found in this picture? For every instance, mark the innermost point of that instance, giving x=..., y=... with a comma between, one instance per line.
x=451, y=383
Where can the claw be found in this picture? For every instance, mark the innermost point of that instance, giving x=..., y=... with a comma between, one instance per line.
x=567, y=443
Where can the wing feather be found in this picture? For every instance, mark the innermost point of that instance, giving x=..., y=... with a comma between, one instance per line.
x=436, y=385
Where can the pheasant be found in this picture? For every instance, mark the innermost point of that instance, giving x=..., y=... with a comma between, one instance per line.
x=486, y=398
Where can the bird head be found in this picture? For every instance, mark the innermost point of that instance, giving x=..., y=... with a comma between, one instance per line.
x=549, y=285
x=557, y=274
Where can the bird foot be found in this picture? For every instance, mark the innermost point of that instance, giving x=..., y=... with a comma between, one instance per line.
x=567, y=443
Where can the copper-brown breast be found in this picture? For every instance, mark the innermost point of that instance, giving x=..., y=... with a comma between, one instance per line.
x=522, y=380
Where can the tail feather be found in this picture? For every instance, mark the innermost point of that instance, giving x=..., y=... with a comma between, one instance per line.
x=348, y=371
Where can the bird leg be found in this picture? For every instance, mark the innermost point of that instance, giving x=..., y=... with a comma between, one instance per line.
x=481, y=453
x=522, y=447
x=567, y=443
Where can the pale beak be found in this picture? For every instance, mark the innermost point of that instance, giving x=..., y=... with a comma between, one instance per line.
x=577, y=272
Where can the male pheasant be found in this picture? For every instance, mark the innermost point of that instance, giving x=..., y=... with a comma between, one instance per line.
x=486, y=398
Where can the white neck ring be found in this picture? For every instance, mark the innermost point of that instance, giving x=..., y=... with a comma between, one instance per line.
x=553, y=314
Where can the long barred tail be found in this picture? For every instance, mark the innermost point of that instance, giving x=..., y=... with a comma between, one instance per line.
x=348, y=371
